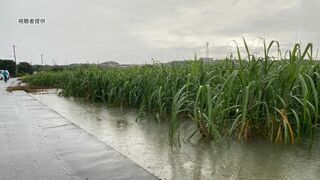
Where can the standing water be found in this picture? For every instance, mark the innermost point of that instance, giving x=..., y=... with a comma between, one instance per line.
x=146, y=143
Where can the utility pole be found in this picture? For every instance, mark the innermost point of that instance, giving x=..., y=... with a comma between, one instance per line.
x=42, y=59
x=15, y=58
x=207, y=50
x=14, y=53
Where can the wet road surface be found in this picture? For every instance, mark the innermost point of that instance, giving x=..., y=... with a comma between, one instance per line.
x=38, y=143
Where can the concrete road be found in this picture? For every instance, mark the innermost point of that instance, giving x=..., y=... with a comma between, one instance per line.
x=38, y=143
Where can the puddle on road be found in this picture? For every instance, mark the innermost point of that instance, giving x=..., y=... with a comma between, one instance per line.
x=146, y=143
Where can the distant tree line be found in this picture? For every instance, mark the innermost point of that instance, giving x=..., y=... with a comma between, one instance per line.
x=57, y=68
x=9, y=65
x=22, y=68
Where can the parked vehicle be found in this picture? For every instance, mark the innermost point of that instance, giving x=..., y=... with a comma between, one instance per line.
x=1, y=76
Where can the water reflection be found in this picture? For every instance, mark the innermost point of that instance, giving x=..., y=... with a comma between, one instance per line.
x=146, y=143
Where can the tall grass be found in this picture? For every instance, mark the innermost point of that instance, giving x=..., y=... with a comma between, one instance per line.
x=237, y=97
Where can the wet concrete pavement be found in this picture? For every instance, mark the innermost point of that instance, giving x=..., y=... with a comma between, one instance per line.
x=38, y=143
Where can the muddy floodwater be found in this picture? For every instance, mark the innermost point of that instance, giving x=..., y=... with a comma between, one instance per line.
x=146, y=143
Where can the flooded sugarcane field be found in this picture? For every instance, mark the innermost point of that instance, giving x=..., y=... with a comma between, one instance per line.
x=251, y=118
x=146, y=142
x=160, y=90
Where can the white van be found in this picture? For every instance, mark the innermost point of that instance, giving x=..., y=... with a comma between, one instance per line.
x=1, y=76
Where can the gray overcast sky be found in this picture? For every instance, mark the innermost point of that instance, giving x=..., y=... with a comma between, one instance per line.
x=135, y=31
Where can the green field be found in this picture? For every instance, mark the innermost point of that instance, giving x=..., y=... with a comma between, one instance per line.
x=240, y=97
